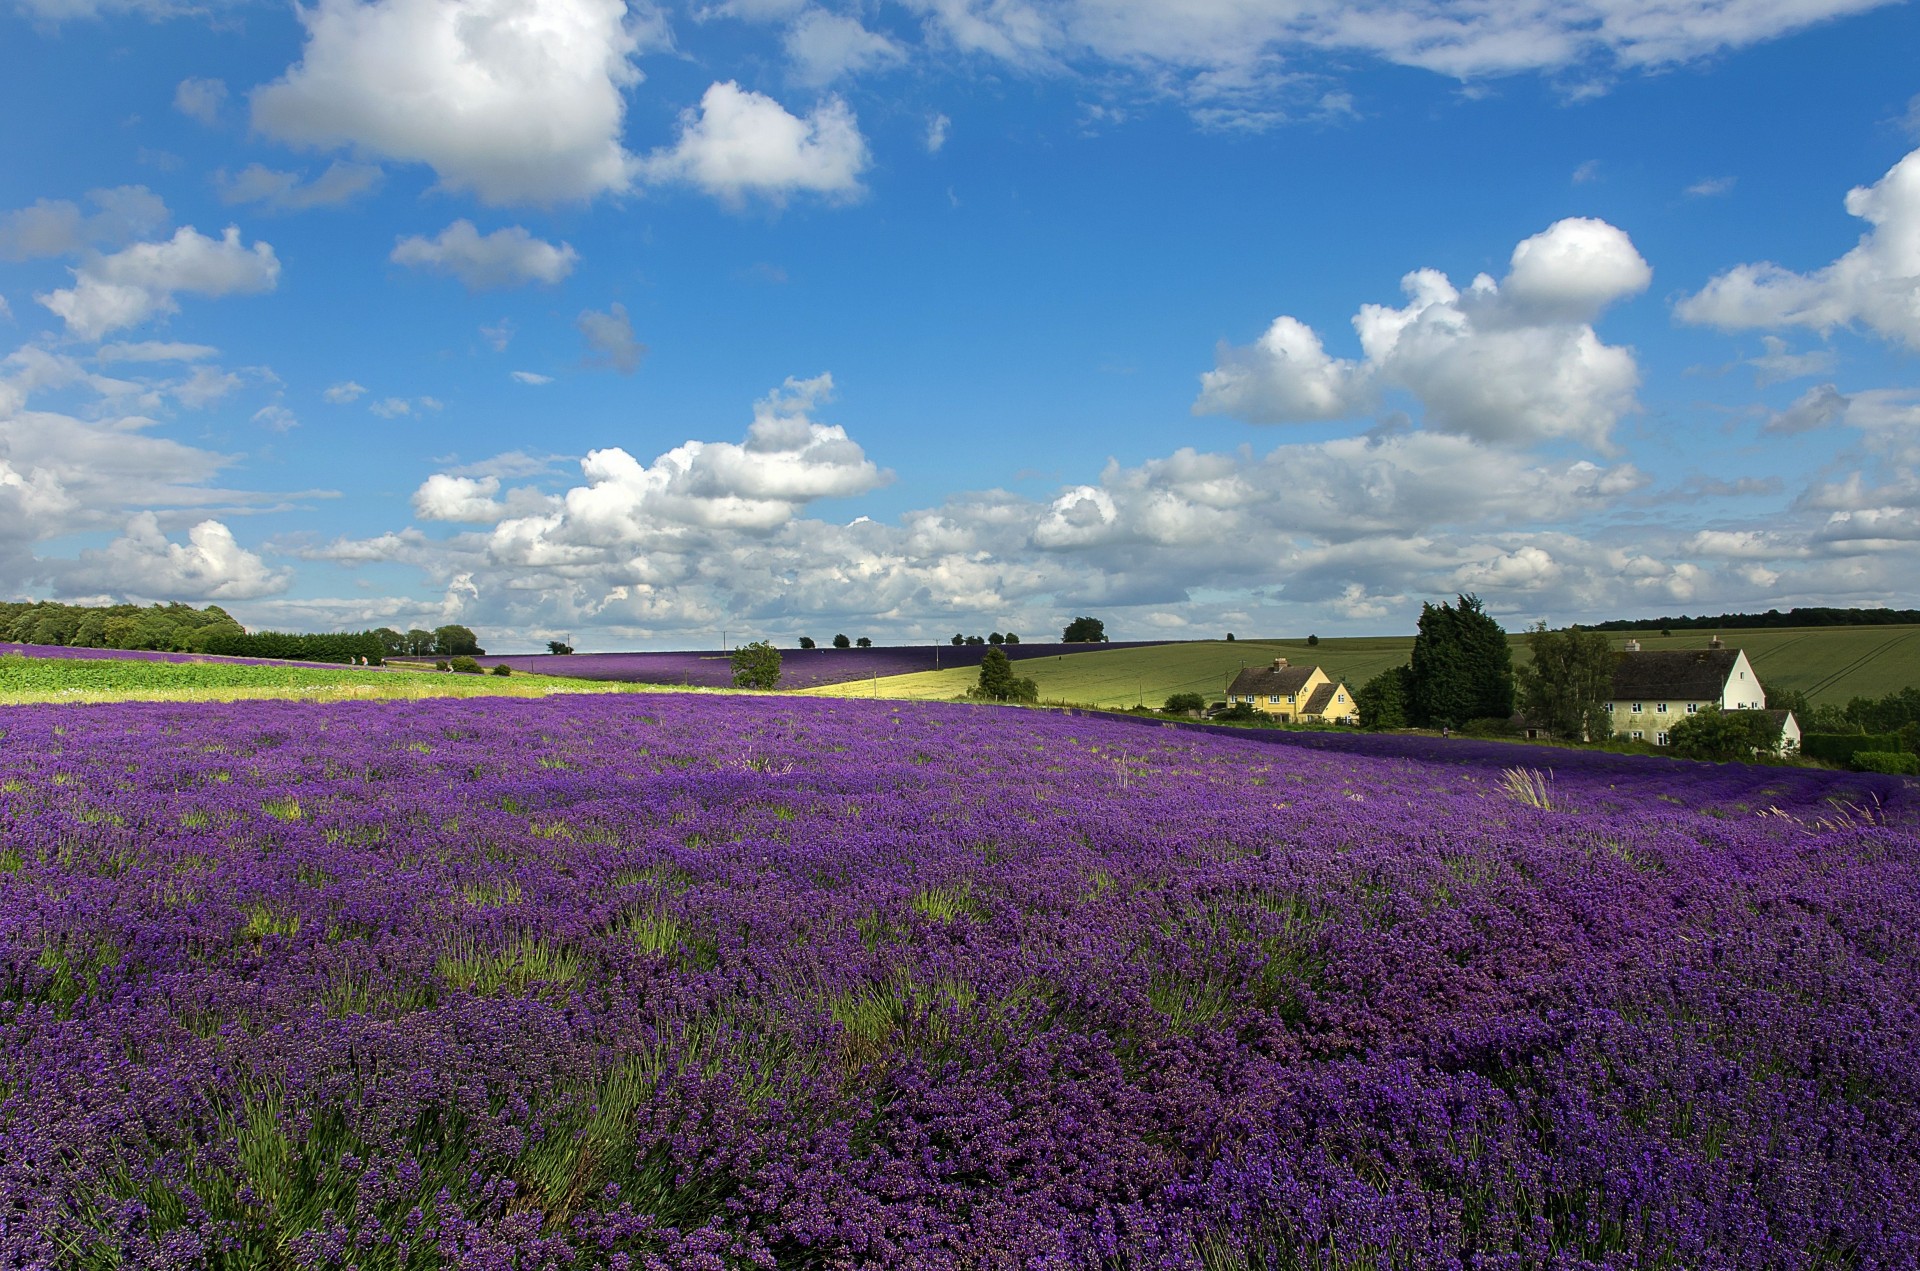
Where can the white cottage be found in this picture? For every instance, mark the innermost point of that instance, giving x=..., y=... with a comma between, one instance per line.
x=1654, y=690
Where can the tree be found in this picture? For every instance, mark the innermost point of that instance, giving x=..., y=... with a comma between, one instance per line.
x=864, y=642
x=756, y=665
x=958, y=639
x=974, y=639
x=806, y=642
x=1085, y=631
x=1569, y=684
x=1462, y=667
x=841, y=642
x=998, y=683
x=453, y=639
x=1382, y=700
x=994, y=637
x=559, y=647
x=1012, y=638
x=1722, y=735
x=1181, y=703
x=1229, y=637
x=1313, y=642
x=419, y=642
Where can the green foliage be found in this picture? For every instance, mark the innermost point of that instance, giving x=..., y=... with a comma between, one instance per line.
x=999, y=684
x=1181, y=703
x=757, y=665
x=171, y=628
x=958, y=639
x=1012, y=638
x=1722, y=735
x=1840, y=748
x=841, y=642
x=1084, y=631
x=1313, y=642
x=1897, y=762
x=1886, y=714
x=452, y=639
x=864, y=642
x=1239, y=713
x=503, y=669
x=464, y=665
x=559, y=647
x=1462, y=666
x=1383, y=700
x=1229, y=637
x=1566, y=687
x=995, y=637
x=806, y=642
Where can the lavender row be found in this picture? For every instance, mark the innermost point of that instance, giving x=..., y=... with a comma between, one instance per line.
x=799, y=668
x=693, y=982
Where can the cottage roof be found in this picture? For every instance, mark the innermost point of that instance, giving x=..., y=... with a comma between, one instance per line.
x=1318, y=703
x=1270, y=680
x=1688, y=675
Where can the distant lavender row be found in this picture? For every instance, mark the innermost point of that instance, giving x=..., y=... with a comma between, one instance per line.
x=143, y=655
x=679, y=982
x=799, y=668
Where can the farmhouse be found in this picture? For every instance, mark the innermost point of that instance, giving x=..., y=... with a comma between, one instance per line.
x=1293, y=693
x=1655, y=689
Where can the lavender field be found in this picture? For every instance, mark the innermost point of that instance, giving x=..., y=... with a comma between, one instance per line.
x=686, y=982
x=799, y=668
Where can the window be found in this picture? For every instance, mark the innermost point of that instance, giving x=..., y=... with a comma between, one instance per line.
x=1693, y=708
x=1274, y=700
x=1638, y=735
x=1289, y=699
x=1339, y=697
x=1661, y=708
x=1659, y=739
x=1609, y=708
x=1638, y=707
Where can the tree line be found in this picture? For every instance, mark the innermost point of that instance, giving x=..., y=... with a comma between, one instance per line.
x=180, y=628
x=1809, y=617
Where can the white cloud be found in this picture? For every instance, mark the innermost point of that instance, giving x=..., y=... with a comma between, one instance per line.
x=515, y=102
x=1818, y=407
x=532, y=377
x=276, y=418
x=56, y=227
x=449, y=498
x=207, y=385
x=139, y=282
x=1711, y=187
x=937, y=129
x=399, y=407
x=824, y=47
x=155, y=351
x=1780, y=363
x=143, y=562
x=1876, y=285
x=200, y=99
x=344, y=392
x=507, y=257
x=279, y=191
x=740, y=143
x=1587, y=173
x=610, y=339
x=499, y=335
x=1511, y=361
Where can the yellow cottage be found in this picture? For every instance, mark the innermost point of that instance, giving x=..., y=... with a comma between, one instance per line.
x=1304, y=693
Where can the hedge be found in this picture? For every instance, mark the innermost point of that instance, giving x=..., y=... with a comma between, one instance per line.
x=1842, y=747
x=1897, y=762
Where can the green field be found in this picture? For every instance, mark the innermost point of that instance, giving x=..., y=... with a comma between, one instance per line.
x=24, y=680
x=1829, y=664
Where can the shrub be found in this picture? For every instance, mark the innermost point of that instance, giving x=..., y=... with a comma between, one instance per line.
x=1840, y=748
x=757, y=665
x=1897, y=762
x=1181, y=703
x=441, y=665
x=464, y=665
x=1722, y=735
x=503, y=669
x=1487, y=726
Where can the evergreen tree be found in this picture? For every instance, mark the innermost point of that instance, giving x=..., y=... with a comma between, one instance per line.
x=998, y=682
x=1462, y=667
x=1382, y=700
x=1567, y=687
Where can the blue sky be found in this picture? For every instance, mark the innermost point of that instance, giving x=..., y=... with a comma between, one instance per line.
x=781, y=317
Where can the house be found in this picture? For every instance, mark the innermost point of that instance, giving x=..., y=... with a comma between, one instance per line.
x=1304, y=693
x=1655, y=689
x=1789, y=731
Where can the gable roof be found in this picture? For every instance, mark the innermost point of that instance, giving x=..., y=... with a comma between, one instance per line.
x=1318, y=703
x=1688, y=675
x=1271, y=680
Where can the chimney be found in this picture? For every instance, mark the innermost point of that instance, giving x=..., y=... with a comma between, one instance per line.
x=1279, y=663
x=1633, y=646
x=1714, y=643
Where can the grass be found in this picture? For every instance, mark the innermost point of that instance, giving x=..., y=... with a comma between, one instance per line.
x=1829, y=664
x=26, y=680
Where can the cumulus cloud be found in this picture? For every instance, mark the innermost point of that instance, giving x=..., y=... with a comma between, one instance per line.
x=508, y=257
x=1511, y=361
x=143, y=562
x=56, y=227
x=344, y=392
x=1818, y=407
x=449, y=498
x=200, y=99
x=610, y=340
x=1876, y=285
x=516, y=103
x=279, y=191
x=740, y=144
x=824, y=46
x=139, y=282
